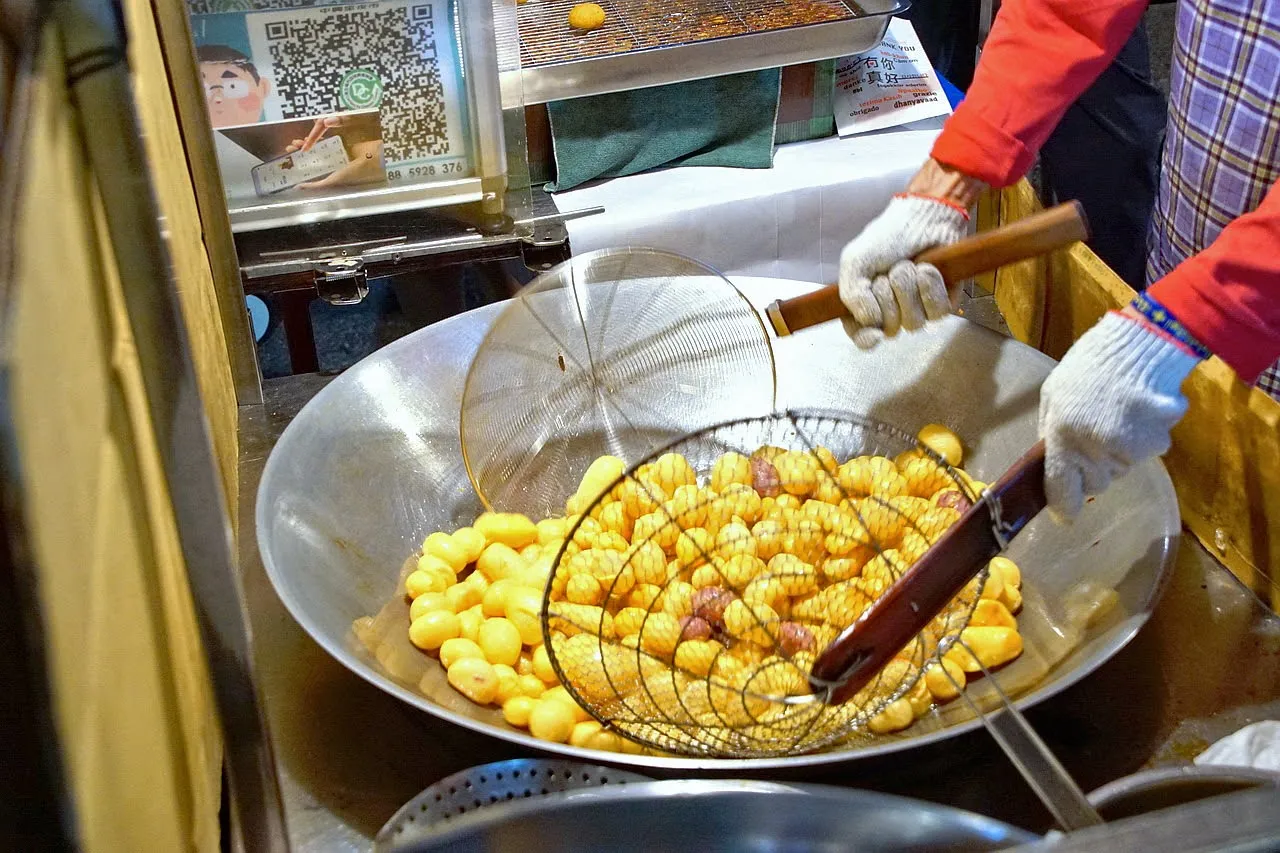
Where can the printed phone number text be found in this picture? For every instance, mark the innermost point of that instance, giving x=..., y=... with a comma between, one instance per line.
x=451, y=168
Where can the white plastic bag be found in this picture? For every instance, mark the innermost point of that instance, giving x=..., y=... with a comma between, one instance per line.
x=1256, y=746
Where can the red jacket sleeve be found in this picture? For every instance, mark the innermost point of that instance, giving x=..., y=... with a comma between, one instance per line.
x=1039, y=58
x=1228, y=296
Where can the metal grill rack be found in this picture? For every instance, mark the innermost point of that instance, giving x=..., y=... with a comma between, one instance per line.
x=652, y=42
x=547, y=39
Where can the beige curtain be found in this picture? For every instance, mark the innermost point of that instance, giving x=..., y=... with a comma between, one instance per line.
x=134, y=709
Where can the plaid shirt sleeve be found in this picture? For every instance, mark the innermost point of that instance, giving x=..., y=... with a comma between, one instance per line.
x=1228, y=296
x=1039, y=58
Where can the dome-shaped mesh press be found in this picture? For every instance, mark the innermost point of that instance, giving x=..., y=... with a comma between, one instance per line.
x=612, y=352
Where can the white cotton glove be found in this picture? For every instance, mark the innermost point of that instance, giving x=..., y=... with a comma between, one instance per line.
x=883, y=290
x=1110, y=404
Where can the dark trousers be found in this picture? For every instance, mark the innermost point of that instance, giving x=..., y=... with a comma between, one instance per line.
x=948, y=31
x=1105, y=153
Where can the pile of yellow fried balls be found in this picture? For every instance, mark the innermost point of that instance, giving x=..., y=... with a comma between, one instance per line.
x=711, y=595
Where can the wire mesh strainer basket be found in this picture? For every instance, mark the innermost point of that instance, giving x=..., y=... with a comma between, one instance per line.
x=694, y=596
x=613, y=352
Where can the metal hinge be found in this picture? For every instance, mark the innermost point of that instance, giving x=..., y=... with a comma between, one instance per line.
x=342, y=281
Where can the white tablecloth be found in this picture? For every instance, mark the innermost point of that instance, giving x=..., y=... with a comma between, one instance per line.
x=790, y=221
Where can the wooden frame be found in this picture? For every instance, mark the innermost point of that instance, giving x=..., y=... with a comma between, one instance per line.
x=1225, y=460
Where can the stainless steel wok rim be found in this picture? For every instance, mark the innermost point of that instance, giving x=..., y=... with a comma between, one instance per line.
x=334, y=388
x=366, y=668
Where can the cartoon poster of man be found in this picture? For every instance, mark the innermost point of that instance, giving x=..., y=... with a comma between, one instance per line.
x=233, y=88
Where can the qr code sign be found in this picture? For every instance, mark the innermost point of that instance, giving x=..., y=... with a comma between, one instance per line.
x=378, y=55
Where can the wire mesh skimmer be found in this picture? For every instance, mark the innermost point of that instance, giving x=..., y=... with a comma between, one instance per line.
x=754, y=545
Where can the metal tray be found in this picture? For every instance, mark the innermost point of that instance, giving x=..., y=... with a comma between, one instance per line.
x=1168, y=787
x=651, y=43
x=372, y=464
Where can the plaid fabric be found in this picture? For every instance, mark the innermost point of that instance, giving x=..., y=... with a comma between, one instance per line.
x=1269, y=381
x=1222, y=151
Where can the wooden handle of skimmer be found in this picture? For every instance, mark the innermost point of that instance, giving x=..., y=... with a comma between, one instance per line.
x=1027, y=238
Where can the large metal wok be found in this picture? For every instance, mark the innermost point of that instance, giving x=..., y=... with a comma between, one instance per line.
x=372, y=464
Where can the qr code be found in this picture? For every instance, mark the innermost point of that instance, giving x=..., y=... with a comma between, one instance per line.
x=356, y=58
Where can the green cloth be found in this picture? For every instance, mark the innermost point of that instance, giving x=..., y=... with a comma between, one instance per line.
x=722, y=121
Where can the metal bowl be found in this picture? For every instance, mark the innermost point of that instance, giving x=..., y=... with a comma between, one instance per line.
x=1166, y=787
x=372, y=465
x=680, y=815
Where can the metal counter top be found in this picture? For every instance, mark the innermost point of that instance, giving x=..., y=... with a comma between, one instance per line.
x=1206, y=664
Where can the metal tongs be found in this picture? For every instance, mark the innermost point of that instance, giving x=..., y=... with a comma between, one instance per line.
x=893, y=620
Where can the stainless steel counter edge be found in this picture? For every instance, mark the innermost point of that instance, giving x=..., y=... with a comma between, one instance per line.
x=1244, y=822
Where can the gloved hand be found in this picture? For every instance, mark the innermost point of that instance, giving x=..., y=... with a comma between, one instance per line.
x=881, y=287
x=1107, y=406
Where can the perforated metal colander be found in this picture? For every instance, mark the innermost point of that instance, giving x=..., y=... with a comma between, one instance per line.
x=486, y=786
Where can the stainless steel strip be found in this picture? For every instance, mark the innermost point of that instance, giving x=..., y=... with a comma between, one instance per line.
x=480, y=52
x=109, y=129
x=273, y=263
x=547, y=223
x=197, y=136
x=1241, y=823
x=331, y=249
x=564, y=217
x=469, y=239
x=258, y=217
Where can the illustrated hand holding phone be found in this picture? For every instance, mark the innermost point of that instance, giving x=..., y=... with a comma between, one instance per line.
x=298, y=168
x=365, y=165
x=322, y=126
x=338, y=151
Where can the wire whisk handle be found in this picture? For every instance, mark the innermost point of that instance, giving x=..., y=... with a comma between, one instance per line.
x=1035, y=235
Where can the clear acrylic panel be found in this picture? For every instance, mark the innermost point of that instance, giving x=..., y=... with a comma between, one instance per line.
x=335, y=110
